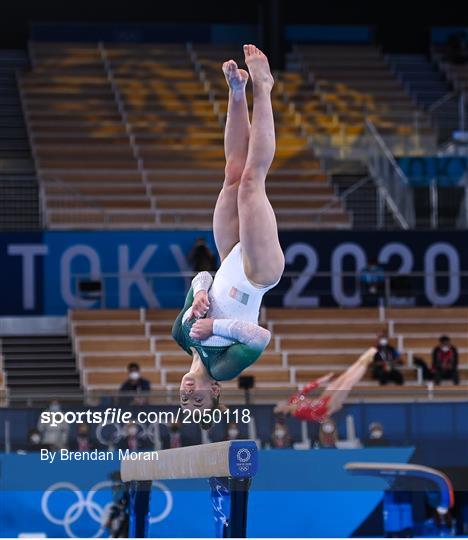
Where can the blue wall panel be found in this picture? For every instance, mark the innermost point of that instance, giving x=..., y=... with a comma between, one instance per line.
x=294, y=494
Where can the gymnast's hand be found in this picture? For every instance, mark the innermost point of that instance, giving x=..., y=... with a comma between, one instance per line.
x=283, y=407
x=202, y=329
x=200, y=304
x=325, y=379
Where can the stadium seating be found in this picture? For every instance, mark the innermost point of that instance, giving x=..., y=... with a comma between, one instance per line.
x=3, y=386
x=39, y=366
x=342, y=85
x=306, y=344
x=154, y=115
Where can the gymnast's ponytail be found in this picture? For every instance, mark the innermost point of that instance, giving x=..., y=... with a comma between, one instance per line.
x=215, y=405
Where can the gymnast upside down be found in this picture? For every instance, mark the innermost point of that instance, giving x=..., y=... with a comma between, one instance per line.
x=218, y=325
x=332, y=399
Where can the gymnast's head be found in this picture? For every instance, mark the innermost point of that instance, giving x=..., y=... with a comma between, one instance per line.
x=198, y=390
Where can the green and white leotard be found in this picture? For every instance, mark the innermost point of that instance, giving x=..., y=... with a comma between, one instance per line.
x=238, y=340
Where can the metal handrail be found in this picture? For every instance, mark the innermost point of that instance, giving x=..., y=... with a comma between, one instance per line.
x=342, y=197
x=292, y=274
x=393, y=184
x=441, y=101
x=168, y=396
x=462, y=221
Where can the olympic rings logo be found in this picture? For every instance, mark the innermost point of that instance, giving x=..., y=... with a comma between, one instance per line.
x=97, y=512
x=243, y=455
x=111, y=434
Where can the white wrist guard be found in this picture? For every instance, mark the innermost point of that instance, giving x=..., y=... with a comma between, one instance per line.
x=201, y=282
x=242, y=331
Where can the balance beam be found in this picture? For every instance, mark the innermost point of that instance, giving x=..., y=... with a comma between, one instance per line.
x=229, y=466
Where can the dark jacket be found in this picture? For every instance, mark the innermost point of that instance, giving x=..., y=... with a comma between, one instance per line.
x=141, y=386
x=388, y=356
x=445, y=360
x=202, y=259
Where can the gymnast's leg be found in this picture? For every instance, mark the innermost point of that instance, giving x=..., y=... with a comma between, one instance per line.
x=339, y=389
x=262, y=255
x=236, y=141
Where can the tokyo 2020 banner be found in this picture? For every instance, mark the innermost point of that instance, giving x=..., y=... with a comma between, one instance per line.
x=41, y=272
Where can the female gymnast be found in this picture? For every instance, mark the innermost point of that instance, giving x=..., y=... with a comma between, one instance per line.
x=332, y=399
x=218, y=325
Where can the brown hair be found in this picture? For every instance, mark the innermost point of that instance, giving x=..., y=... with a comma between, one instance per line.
x=214, y=405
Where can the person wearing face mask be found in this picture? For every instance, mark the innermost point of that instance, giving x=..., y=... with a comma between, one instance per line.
x=445, y=361
x=232, y=432
x=376, y=435
x=175, y=436
x=55, y=437
x=280, y=437
x=34, y=441
x=328, y=435
x=83, y=441
x=135, y=389
x=386, y=360
x=133, y=439
x=372, y=281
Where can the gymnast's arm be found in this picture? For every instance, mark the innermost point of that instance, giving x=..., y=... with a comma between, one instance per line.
x=251, y=342
x=177, y=332
x=247, y=333
x=309, y=387
x=201, y=284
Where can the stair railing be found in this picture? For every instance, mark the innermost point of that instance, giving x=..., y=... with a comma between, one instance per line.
x=462, y=221
x=392, y=183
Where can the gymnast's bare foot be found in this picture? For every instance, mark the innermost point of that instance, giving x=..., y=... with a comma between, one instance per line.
x=235, y=77
x=259, y=68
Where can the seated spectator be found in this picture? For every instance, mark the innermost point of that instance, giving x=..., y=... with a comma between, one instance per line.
x=232, y=432
x=132, y=439
x=328, y=435
x=372, y=280
x=445, y=361
x=175, y=436
x=54, y=437
x=135, y=384
x=280, y=437
x=386, y=360
x=83, y=440
x=201, y=257
x=34, y=441
x=376, y=435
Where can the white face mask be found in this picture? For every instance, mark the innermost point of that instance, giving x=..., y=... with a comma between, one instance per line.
x=134, y=375
x=280, y=433
x=132, y=431
x=35, y=438
x=383, y=342
x=233, y=432
x=328, y=428
x=376, y=434
x=54, y=407
x=445, y=348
